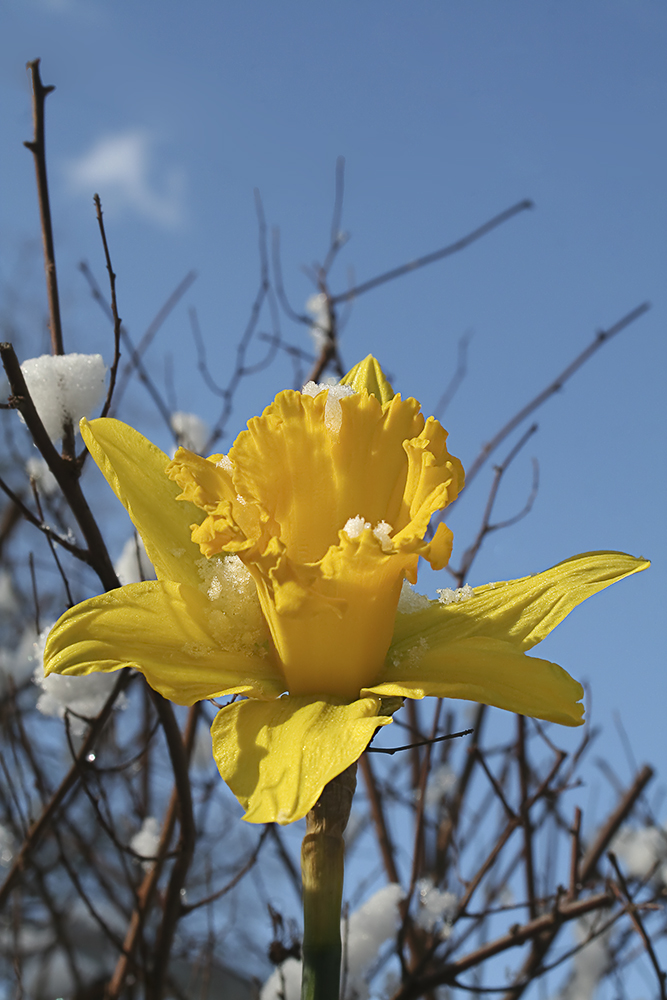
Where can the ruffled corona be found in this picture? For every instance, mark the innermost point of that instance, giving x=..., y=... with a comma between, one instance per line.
x=301, y=503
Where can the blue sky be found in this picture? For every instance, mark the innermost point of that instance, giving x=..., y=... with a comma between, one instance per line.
x=447, y=113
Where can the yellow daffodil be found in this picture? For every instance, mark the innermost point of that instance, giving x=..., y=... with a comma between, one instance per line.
x=280, y=577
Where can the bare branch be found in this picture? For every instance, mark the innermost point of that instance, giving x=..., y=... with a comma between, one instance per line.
x=431, y=258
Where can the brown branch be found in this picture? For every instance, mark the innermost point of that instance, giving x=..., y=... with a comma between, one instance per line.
x=142, y=371
x=11, y=516
x=516, y=937
x=147, y=888
x=117, y=324
x=486, y=527
x=606, y=833
x=600, y=339
x=338, y=239
x=574, y=854
x=291, y=869
x=623, y=895
x=509, y=812
x=430, y=258
x=25, y=511
x=422, y=743
x=151, y=331
x=38, y=149
x=524, y=815
x=457, y=378
x=512, y=825
x=41, y=825
x=379, y=820
x=52, y=548
x=178, y=755
x=236, y=878
x=448, y=826
x=64, y=470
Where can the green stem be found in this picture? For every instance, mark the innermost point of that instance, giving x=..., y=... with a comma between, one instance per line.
x=322, y=863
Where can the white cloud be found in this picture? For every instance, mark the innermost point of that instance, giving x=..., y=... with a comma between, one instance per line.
x=121, y=169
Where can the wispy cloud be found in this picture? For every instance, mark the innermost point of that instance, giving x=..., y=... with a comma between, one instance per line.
x=122, y=168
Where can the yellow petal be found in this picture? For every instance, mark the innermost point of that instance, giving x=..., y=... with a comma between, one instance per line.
x=521, y=611
x=488, y=671
x=368, y=376
x=277, y=756
x=186, y=648
x=135, y=470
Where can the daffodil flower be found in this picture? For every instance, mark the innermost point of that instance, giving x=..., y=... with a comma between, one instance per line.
x=280, y=572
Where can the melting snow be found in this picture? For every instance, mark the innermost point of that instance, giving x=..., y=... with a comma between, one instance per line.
x=333, y=414
x=64, y=387
x=449, y=596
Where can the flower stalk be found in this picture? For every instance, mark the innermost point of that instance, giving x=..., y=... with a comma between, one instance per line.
x=322, y=863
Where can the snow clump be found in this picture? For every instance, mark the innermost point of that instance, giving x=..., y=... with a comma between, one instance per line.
x=146, y=841
x=448, y=596
x=64, y=387
x=436, y=906
x=333, y=415
x=366, y=931
x=643, y=852
x=41, y=476
x=191, y=431
x=321, y=328
x=78, y=698
x=355, y=525
x=411, y=601
x=133, y=565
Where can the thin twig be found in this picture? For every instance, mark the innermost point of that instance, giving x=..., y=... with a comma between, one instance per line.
x=42, y=824
x=117, y=323
x=65, y=471
x=422, y=743
x=178, y=755
x=486, y=527
x=607, y=831
x=600, y=339
x=38, y=148
x=431, y=258
x=623, y=896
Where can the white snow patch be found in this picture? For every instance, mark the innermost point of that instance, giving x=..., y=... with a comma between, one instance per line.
x=316, y=305
x=333, y=414
x=8, y=600
x=7, y=846
x=441, y=780
x=78, y=696
x=64, y=387
x=449, y=596
x=42, y=476
x=146, y=841
x=382, y=531
x=354, y=526
x=367, y=930
x=412, y=655
x=588, y=965
x=284, y=983
x=192, y=432
x=133, y=565
x=642, y=851
x=437, y=906
x=17, y=665
x=410, y=601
